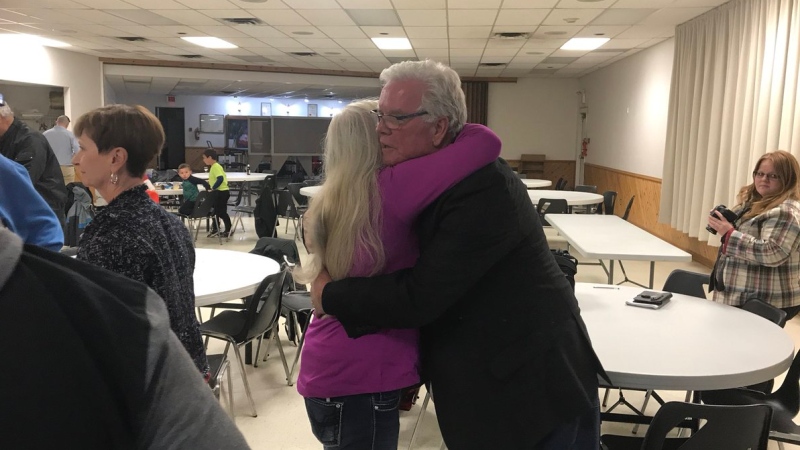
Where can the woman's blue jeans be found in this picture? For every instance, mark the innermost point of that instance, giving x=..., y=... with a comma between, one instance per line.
x=356, y=422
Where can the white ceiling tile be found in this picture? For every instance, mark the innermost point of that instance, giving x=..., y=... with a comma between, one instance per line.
x=106, y=4
x=208, y=4
x=525, y=17
x=317, y=43
x=226, y=13
x=365, y=52
x=466, y=52
x=342, y=32
x=608, y=31
x=616, y=16
x=365, y=4
x=419, y=4
x=433, y=53
x=578, y=4
x=267, y=51
x=142, y=31
x=355, y=43
x=34, y=16
x=220, y=31
x=623, y=43
x=571, y=16
x=399, y=53
x=272, y=4
x=246, y=42
x=550, y=66
x=42, y=4
x=261, y=32
x=187, y=17
x=651, y=42
x=174, y=30
x=598, y=56
x=560, y=32
x=569, y=53
x=467, y=18
x=505, y=43
x=374, y=17
x=326, y=17
x=155, y=4
x=473, y=4
x=672, y=16
x=282, y=43
x=528, y=59
x=469, y=32
x=95, y=16
x=427, y=32
x=423, y=17
x=429, y=43
x=467, y=43
x=301, y=31
x=525, y=4
x=280, y=17
x=312, y=4
x=384, y=31
x=500, y=52
x=647, y=32
x=640, y=4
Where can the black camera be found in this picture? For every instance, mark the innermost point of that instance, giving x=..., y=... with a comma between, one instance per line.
x=729, y=215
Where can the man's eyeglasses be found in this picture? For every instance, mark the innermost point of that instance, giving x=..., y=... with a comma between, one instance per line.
x=769, y=176
x=394, y=122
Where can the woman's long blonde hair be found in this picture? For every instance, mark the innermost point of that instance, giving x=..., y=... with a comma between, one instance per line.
x=787, y=168
x=345, y=215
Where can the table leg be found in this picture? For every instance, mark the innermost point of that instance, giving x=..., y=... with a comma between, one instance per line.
x=610, y=271
x=652, y=273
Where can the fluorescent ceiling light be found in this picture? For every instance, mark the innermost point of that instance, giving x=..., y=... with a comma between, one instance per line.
x=29, y=39
x=209, y=42
x=584, y=43
x=392, y=43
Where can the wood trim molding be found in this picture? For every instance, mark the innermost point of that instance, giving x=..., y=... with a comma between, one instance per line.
x=269, y=69
x=622, y=172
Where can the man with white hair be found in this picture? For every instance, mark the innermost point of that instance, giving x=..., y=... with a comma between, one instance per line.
x=64, y=145
x=502, y=342
x=29, y=148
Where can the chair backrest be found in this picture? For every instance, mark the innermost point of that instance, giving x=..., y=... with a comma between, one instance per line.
x=311, y=182
x=204, y=204
x=286, y=205
x=789, y=392
x=586, y=188
x=552, y=206
x=628, y=208
x=263, y=308
x=239, y=196
x=684, y=282
x=299, y=199
x=609, y=201
x=561, y=184
x=765, y=310
x=728, y=427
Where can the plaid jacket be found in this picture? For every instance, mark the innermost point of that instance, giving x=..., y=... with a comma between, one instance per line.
x=762, y=259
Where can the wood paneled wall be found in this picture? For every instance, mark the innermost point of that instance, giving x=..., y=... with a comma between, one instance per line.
x=644, y=212
x=555, y=169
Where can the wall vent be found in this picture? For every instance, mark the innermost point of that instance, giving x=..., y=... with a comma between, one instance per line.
x=243, y=20
x=303, y=53
x=132, y=38
x=511, y=35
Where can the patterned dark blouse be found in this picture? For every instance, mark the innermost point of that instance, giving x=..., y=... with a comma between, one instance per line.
x=137, y=238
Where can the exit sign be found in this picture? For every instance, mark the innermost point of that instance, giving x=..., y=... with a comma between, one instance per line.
x=171, y=99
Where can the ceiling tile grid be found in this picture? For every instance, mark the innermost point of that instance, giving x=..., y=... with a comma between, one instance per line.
x=462, y=33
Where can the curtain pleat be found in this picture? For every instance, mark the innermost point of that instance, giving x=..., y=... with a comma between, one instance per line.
x=477, y=95
x=734, y=96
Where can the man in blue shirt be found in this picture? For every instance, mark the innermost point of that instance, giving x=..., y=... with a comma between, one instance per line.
x=24, y=211
x=64, y=146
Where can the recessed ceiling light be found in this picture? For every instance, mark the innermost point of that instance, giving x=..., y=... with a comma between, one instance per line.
x=29, y=39
x=208, y=42
x=392, y=43
x=584, y=43
x=571, y=19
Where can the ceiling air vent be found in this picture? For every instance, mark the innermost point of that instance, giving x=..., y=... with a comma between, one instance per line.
x=191, y=56
x=303, y=53
x=511, y=35
x=492, y=64
x=243, y=20
x=132, y=38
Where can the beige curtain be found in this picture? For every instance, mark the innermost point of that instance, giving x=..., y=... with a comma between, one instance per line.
x=477, y=96
x=734, y=96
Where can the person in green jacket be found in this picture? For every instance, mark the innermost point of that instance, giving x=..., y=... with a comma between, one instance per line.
x=219, y=182
x=190, y=189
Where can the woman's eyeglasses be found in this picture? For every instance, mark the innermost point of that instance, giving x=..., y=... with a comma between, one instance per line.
x=769, y=176
x=394, y=122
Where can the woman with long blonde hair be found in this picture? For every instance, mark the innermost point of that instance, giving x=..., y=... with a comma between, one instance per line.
x=360, y=224
x=759, y=257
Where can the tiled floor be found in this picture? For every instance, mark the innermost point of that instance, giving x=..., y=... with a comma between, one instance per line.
x=282, y=423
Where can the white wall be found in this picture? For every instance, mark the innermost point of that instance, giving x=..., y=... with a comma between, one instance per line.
x=627, y=111
x=535, y=115
x=80, y=75
x=194, y=105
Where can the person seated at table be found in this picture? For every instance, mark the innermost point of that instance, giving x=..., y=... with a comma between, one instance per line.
x=190, y=189
x=24, y=211
x=219, y=182
x=132, y=235
x=759, y=256
x=360, y=224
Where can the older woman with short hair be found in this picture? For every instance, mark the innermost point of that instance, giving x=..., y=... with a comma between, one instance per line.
x=133, y=236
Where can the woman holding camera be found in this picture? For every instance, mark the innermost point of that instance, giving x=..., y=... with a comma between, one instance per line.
x=759, y=257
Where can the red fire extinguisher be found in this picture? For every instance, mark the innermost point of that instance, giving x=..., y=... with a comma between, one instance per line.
x=584, y=147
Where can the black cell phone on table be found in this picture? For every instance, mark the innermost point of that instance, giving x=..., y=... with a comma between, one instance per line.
x=650, y=299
